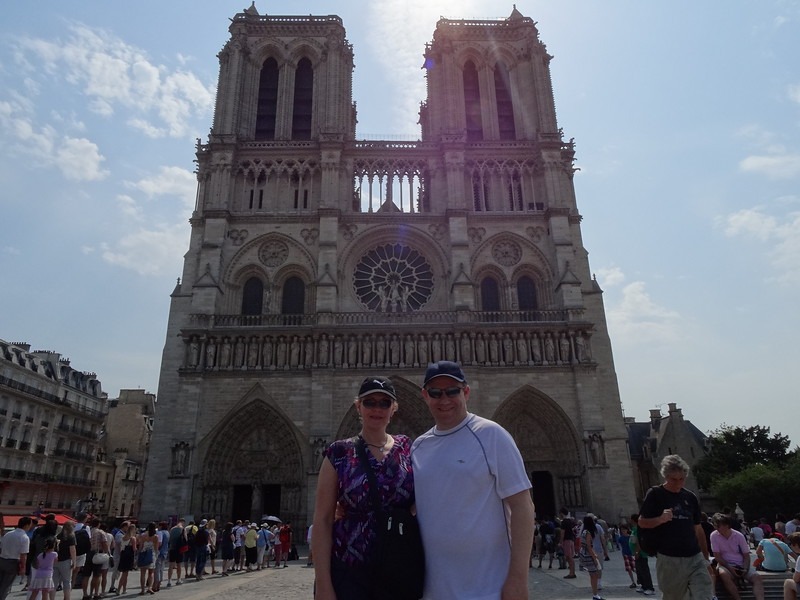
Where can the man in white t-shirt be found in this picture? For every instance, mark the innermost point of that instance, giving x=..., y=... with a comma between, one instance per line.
x=15, y=546
x=469, y=476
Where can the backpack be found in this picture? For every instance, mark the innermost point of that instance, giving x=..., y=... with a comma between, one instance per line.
x=190, y=535
x=649, y=539
x=82, y=542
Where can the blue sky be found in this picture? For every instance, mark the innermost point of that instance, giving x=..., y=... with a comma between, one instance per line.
x=685, y=116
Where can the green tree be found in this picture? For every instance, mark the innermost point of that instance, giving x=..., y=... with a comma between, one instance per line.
x=734, y=449
x=762, y=490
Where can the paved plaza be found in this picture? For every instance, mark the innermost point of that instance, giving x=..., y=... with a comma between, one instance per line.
x=295, y=583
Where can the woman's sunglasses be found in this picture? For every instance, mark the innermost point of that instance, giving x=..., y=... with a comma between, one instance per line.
x=449, y=392
x=383, y=402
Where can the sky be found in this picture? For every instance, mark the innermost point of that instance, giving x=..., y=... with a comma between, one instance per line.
x=685, y=116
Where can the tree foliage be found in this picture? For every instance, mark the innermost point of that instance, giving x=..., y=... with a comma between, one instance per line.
x=734, y=449
x=762, y=490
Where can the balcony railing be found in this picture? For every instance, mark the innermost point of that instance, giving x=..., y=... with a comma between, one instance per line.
x=394, y=318
x=51, y=398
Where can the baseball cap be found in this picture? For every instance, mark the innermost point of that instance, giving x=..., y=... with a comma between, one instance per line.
x=372, y=385
x=444, y=368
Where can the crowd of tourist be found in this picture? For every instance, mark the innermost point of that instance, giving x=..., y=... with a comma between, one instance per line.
x=90, y=558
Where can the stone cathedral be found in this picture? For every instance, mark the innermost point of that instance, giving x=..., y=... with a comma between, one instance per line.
x=316, y=259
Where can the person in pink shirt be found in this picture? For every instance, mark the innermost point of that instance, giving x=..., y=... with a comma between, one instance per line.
x=732, y=559
x=42, y=573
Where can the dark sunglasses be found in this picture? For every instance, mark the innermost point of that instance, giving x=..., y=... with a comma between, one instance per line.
x=449, y=392
x=383, y=402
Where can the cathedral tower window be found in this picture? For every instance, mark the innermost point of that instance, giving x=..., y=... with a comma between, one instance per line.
x=505, y=109
x=253, y=297
x=294, y=297
x=490, y=294
x=267, y=101
x=526, y=294
x=303, y=100
x=472, y=103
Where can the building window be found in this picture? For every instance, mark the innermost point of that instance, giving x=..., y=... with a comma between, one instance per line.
x=472, y=103
x=393, y=278
x=526, y=294
x=253, y=297
x=505, y=109
x=267, y=101
x=490, y=294
x=303, y=100
x=294, y=297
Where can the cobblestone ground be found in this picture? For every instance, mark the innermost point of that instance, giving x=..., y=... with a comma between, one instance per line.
x=295, y=583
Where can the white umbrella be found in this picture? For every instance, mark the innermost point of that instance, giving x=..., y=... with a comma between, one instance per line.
x=273, y=518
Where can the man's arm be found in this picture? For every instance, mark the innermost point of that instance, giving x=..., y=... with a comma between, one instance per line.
x=701, y=539
x=521, y=526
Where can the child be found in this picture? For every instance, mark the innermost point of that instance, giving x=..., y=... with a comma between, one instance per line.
x=627, y=553
x=42, y=573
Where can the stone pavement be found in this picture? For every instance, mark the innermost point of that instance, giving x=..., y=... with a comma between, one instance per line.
x=296, y=581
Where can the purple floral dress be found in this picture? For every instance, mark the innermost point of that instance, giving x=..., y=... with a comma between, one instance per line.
x=355, y=532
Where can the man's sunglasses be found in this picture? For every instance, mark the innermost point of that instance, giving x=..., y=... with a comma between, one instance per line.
x=449, y=392
x=383, y=402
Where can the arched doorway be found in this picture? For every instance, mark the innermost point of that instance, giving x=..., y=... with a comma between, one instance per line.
x=253, y=466
x=549, y=445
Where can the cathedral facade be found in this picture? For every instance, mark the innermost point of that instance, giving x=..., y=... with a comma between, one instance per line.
x=317, y=259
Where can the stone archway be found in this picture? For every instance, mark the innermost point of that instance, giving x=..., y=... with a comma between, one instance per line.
x=412, y=417
x=550, y=447
x=254, y=464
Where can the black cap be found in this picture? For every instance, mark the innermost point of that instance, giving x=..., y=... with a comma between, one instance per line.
x=372, y=385
x=444, y=368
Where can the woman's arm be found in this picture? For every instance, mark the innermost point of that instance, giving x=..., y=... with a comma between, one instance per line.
x=322, y=540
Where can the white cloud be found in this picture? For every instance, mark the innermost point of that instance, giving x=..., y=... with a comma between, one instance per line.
x=781, y=234
x=779, y=166
x=11, y=250
x=118, y=77
x=610, y=276
x=79, y=160
x=149, y=251
x=129, y=207
x=169, y=181
x=794, y=93
x=154, y=249
x=637, y=319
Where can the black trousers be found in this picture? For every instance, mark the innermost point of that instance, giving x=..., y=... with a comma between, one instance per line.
x=643, y=572
x=9, y=570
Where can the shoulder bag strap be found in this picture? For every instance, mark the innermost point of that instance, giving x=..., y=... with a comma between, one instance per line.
x=774, y=543
x=361, y=451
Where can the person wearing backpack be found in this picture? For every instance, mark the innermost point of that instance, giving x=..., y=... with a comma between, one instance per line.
x=641, y=558
x=672, y=514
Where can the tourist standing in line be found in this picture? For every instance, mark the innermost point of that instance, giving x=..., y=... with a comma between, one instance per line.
x=473, y=497
x=177, y=543
x=567, y=526
x=148, y=548
x=342, y=546
x=226, y=542
x=62, y=570
x=14, y=554
x=211, y=527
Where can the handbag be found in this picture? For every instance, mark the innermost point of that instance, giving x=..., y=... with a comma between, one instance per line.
x=100, y=558
x=398, y=561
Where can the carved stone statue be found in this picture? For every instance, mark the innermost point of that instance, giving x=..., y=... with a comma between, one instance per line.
x=563, y=346
x=323, y=350
x=422, y=350
x=211, y=354
x=180, y=459
x=410, y=347
x=194, y=353
x=252, y=353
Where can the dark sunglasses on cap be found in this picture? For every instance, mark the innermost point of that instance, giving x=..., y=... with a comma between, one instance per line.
x=449, y=392
x=382, y=402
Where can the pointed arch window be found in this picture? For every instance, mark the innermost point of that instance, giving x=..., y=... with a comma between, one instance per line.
x=294, y=297
x=253, y=297
x=472, y=102
x=505, y=108
x=303, y=100
x=526, y=297
x=490, y=294
x=267, y=109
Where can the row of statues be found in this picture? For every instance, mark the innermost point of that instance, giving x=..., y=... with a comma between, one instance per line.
x=387, y=350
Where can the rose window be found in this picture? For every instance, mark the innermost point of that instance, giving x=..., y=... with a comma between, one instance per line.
x=393, y=278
